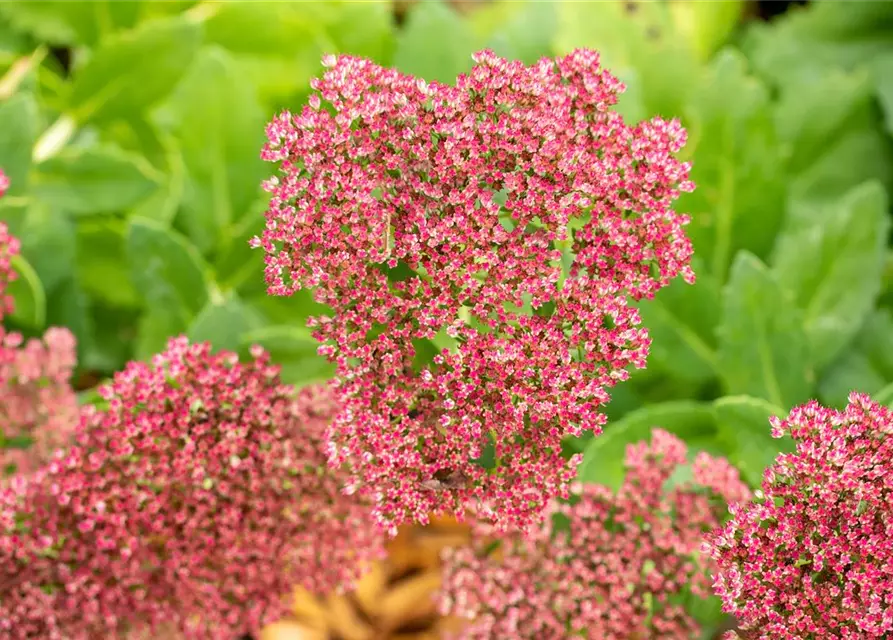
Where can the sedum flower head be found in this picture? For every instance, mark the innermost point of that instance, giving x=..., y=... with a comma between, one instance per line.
x=196, y=498
x=618, y=569
x=507, y=218
x=812, y=557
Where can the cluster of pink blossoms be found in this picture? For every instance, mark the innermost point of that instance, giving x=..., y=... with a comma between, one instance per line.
x=38, y=408
x=195, y=499
x=812, y=557
x=508, y=218
x=4, y=183
x=618, y=569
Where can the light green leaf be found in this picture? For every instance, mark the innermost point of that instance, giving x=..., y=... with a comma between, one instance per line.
x=435, y=43
x=166, y=269
x=738, y=167
x=362, y=28
x=276, y=29
x=604, y=458
x=706, y=25
x=744, y=430
x=832, y=263
x=294, y=349
x=866, y=366
x=220, y=128
x=65, y=23
x=222, y=323
x=134, y=70
x=637, y=37
x=94, y=180
x=28, y=294
x=682, y=321
x=517, y=30
x=17, y=136
x=763, y=351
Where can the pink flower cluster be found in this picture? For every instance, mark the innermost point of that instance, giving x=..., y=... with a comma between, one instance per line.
x=619, y=567
x=195, y=499
x=38, y=408
x=508, y=219
x=812, y=557
x=4, y=183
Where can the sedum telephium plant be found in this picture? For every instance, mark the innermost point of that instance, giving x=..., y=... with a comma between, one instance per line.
x=616, y=571
x=38, y=408
x=509, y=218
x=812, y=557
x=194, y=499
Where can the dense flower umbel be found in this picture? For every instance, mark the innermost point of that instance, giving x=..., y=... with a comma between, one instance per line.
x=37, y=403
x=197, y=498
x=508, y=218
x=620, y=568
x=812, y=558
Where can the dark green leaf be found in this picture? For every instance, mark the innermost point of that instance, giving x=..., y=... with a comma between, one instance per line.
x=94, y=181
x=604, y=458
x=132, y=71
x=166, y=269
x=763, y=351
x=48, y=240
x=102, y=266
x=832, y=263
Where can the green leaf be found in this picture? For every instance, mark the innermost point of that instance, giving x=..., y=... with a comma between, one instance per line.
x=277, y=29
x=516, y=30
x=102, y=267
x=866, y=366
x=167, y=270
x=28, y=294
x=738, y=167
x=65, y=23
x=220, y=129
x=706, y=25
x=763, y=351
x=362, y=28
x=17, y=136
x=94, y=180
x=884, y=396
x=435, y=43
x=68, y=306
x=132, y=71
x=156, y=327
x=883, y=81
x=222, y=323
x=744, y=430
x=832, y=262
x=48, y=239
x=604, y=458
x=639, y=37
x=294, y=349
x=682, y=321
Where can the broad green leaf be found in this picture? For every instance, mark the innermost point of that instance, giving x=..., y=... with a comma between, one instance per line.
x=682, y=321
x=102, y=267
x=604, y=458
x=156, y=327
x=115, y=330
x=28, y=294
x=363, y=29
x=744, y=430
x=48, y=240
x=223, y=322
x=276, y=29
x=435, y=43
x=738, y=167
x=281, y=310
x=66, y=23
x=640, y=37
x=706, y=25
x=166, y=269
x=132, y=71
x=517, y=30
x=220, y=130
x=866, y=365
x=17, y=136
x=94, y=180
x=294, y=349
x=163, y=205
x=832, y=263
x=68, y=306
x=884, y=396
x=763, y=351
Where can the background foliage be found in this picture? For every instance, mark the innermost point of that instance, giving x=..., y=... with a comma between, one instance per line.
x=131, y=132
